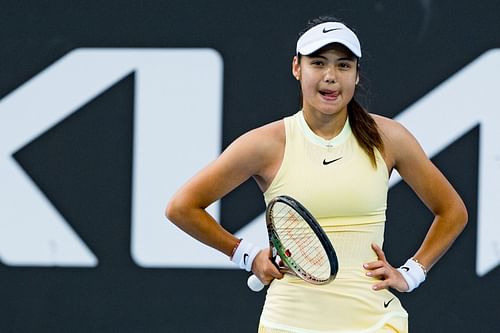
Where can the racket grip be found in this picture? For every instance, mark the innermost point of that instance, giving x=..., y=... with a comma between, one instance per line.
x=254, y=283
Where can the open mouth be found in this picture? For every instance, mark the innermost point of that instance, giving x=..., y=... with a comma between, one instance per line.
x=329, y=94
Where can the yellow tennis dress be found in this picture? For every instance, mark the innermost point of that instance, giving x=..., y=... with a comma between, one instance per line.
x=335, y=180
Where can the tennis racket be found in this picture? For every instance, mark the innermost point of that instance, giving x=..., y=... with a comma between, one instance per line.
x=297, y=238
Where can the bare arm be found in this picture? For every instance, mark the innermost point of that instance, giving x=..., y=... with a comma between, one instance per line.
x=404, y=154
x=450, y=214
x=252, y=154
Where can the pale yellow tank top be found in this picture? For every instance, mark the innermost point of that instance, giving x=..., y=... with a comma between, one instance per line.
x=336, y=181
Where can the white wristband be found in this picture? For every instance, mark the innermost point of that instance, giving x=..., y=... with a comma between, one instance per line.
x=413, y=273
x=244, y=255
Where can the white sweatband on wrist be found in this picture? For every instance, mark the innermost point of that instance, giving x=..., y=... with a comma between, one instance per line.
x=244, y=255
x=413, y=273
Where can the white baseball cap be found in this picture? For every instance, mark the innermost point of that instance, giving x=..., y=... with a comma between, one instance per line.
x=327, y=33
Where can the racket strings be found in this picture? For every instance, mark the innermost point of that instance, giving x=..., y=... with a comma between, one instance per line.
x=300, y=242
x=305, y=242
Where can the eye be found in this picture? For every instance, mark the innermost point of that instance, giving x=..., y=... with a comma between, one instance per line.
x=317, y=62
x=345, y=65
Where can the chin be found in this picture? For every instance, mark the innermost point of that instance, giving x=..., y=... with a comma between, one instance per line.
x=332, y=110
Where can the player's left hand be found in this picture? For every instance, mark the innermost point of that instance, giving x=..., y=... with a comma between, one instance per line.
x=382, y=270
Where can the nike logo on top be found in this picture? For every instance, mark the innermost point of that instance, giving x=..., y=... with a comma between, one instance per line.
x=325, y=162
x=405, y=268
x=245, y=257
x=325, y=30
x=386, y=304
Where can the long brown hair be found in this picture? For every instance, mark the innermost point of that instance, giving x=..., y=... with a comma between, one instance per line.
x=363, y=125
x=365, y=130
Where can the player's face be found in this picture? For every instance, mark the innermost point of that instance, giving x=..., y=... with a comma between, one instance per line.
x=328, y=79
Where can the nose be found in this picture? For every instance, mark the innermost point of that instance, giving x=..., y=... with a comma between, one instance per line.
x=329, y=75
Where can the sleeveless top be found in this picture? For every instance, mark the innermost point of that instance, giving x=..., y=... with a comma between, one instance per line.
x=336, y=181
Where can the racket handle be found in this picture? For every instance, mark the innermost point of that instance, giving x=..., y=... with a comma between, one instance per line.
x=254, y=283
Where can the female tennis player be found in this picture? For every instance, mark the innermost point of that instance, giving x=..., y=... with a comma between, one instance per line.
x=334, y=158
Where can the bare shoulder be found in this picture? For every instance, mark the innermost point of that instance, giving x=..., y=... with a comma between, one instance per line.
x=390, y=128
x=393, y=133
x=257, y=148
x=399, y=143
x=249, y=155
x=264, y=147
x=263, y=138
x=274, y=130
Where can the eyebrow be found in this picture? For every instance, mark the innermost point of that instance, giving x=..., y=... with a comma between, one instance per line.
x=352, y=58
x=349, y=58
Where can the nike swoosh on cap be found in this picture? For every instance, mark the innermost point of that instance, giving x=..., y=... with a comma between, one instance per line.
x=325, y=30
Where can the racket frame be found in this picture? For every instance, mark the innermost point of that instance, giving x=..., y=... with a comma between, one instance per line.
x=278, y=248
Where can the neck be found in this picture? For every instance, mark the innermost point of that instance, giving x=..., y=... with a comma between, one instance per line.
x=326, y=126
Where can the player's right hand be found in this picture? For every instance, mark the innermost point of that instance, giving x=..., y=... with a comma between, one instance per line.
x=264, y=268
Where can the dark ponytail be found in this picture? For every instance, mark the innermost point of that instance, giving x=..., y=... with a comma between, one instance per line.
x=365, y=130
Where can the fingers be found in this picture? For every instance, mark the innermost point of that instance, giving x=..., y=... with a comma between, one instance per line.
x=269, y=273
x=396, y=281
x=264, y=268
x=383, y=273
x=381, y=262
x=374, y=265
x=379, y=273
x=387, y=276
x=381, y=285
x=275, y=272
x=378, y=251
x=380, y=256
